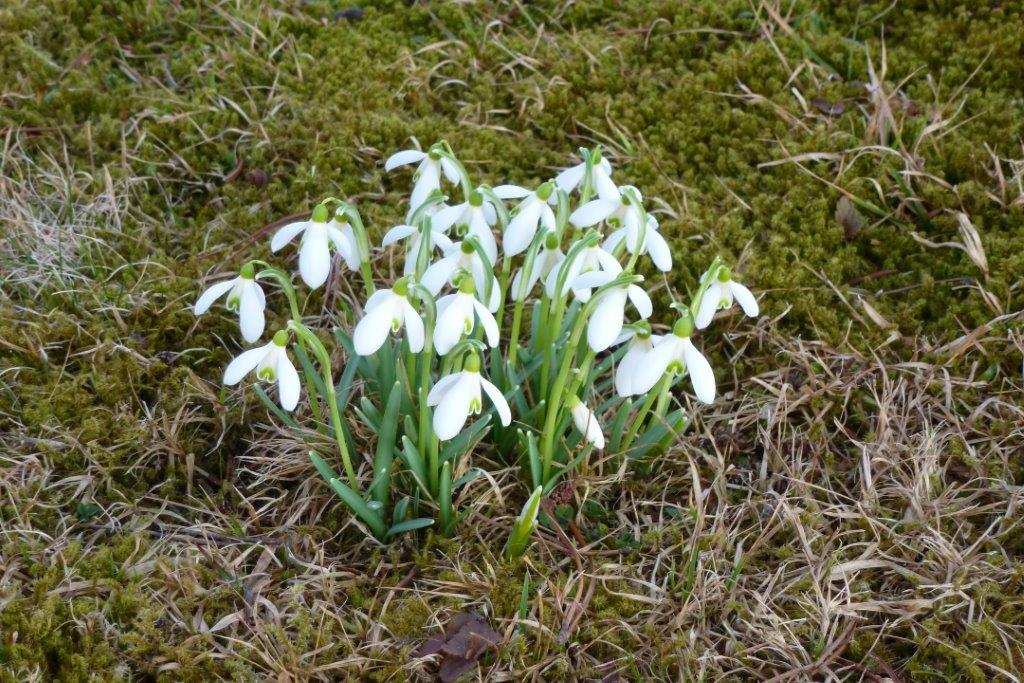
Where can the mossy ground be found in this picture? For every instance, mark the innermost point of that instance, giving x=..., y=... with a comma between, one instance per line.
x=853, y=505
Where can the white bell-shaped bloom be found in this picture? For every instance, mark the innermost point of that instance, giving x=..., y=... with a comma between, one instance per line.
x=343, y=238
x=271, y=363
x=461, y=258
x=569, y=179
x=586, y=422
x=609, y=313
x=477, y=215
x=388, y=310
x=456, y=316
x=676, y=352
x=428, y=173
x=457, y=396
x=720, y=295
x=549, y=258
x=533, y=210
x=315, y=250
x=244, y=296
x=438, y=240
x=650, y=241
x=631, y=363
x=591, y=259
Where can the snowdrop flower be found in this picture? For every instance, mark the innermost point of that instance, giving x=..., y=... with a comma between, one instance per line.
x=586, y=422
x=533, y=210
x=609, y=313
x=456, y=315
x=675, y=352
x=589, y=260
x=343, y=239
x=544, y=263
x=314, y=252
x=271, y=363
x=640, y=344
x=428, y=173
x=437, y=239
x=388, y=310
x=461, y=257
x=569, y=179
x=719, y=296
x=457, y=396
x=477, y=215
x=650, y=241
x=244, y=296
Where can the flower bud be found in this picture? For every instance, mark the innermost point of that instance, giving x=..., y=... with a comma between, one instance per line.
x=281, y=338
x=320, y=214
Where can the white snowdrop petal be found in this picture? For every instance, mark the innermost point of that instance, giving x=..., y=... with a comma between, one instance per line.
x=641, y=301
x=626, y=370
x=288, y=384
x=606, y=321
x=488, y=321
x=591, y=279
x=510, y=192
x=708, y=306
x=451, y=413
x=243, y=364
x=654, y=365
x=446, y=217
x=498, y=399
x=613, y=240
x=592, y=212
x=658, y=249
x=251, y=319
x=427, y=181
x=373, y=329
x=212, y=293
x=406, y=156
x=451, y=323
x=439, y=273
x=745, y=298
x=414, y=331
x=606, y=260
x=451, y=170
x=547, y=218
x=567, y=180
x=377, y=298
x=586, y=423
x=606, y=189
x=521, y=228
x=702, y=377
x=397, y=233
x=314, y=256
x=441, y=387
x=286, y=234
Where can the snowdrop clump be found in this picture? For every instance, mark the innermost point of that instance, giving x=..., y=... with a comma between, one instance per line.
x=570, y=369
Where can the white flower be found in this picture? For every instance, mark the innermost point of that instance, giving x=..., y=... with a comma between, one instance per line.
x=317, y=237
x=640, y=344
x=477, y=215
x=388, y=310
x=589, y=260
x=271, y=363
x=534, y=209
x=675, y=351
x=244, y=296
x=457, y=396
x=609, y=314
x=719, y=296
x=456, y=314
x=428, y=173
x=586, y=422
x=545, y=262
x=400, y=232
x=654, y=245
x=460, y=258
x=570, y=178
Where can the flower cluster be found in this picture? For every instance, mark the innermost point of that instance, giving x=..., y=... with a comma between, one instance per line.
x=435, y=341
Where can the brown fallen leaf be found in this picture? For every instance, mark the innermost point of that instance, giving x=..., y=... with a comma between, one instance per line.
x=849, y=217
x=465, y=640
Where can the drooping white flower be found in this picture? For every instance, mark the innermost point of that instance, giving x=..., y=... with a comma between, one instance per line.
x=640, y=344
x=461, y=258
x=569, y=179
x=589, y=260
x=315, y=250
x=676, y=352
x=720, y=295
x=428, y=173
x=457, y=396
x=244, y=296
x=456, y=316
x=649, y=241
x=609, y=313
x=533, y=210
x=388, y=310
x=343, y=238
x=549, y=258
x=437, y=239
x=477, y=215
x=586, y=422
x=271, y=363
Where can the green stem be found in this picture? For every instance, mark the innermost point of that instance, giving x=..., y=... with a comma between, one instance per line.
x=555, y=399
x=645, y=408
x=517, y=321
